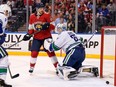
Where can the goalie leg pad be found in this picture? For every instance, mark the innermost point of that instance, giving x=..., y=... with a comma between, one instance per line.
x=90, y=69
x=67, y=72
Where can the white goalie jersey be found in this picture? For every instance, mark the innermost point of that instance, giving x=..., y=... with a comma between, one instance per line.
x=66, y=40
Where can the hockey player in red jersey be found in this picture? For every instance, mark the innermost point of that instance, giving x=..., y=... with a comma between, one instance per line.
x=39, y=25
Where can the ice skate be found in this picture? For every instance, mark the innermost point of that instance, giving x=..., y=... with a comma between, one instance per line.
x=56, y=72
x=31, y=70
x=95, y=71
x=3, y=84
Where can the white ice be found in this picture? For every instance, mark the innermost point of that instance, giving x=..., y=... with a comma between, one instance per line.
x=44, y=74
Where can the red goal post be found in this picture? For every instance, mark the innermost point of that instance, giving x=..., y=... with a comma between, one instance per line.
x=110, y=30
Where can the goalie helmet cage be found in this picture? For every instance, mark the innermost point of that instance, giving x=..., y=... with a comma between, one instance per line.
x=112, y=31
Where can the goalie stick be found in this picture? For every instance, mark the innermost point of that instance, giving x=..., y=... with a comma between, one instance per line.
x=90, y=38
x=12, y=76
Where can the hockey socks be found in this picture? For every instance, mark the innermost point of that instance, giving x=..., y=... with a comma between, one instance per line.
x=32, y=64
x=54, y=61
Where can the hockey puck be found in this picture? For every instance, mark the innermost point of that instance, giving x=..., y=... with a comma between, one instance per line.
x=107, y=82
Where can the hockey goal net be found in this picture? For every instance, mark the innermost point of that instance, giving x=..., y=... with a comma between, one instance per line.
x=108, y=54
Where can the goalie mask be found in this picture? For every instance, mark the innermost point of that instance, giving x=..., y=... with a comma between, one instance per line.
x=4, y=8
x=60, y=28
x=39, y=8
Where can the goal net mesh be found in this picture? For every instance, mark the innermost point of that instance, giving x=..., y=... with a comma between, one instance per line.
x=108, y=43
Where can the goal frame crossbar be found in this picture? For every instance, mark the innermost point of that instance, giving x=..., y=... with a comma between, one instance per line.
x=102, y=53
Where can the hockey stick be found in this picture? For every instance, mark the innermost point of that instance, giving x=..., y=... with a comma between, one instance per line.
x=12, y=76
x=90, y=38
x=21, y=40
x=15, y=44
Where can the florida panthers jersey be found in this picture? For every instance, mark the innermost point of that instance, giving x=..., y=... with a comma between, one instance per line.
x=3, y=22
x=35, y=21
x=66, y=40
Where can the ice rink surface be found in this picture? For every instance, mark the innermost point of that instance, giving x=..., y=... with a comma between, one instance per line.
x=44, y=74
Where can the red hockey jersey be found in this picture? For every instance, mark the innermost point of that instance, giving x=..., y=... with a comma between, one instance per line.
x=34, y=20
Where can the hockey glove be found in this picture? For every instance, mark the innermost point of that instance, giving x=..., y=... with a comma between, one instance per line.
x=27, y=37
x=2, y=39
x=45, y=26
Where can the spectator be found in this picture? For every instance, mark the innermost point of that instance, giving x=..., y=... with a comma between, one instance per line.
x=90, y=4
x=37, y=1
x=103, y=11
x=11, y=3
x=55, y=16
x=103, y=15
x=111, y=7
x=70, y=23
x=48, y=8
x=88, y=28
x=81, y=22
x=20, y=4
x=82, y=6
x=4, y=1
x=58, y=19
x=30, y=2
x=62, y=24
x=45, y=1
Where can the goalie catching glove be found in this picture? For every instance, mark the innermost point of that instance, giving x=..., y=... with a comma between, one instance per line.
x=27, y=37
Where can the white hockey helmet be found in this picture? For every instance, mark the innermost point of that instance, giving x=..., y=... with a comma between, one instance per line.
x=4, y=8
x=60, y=28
